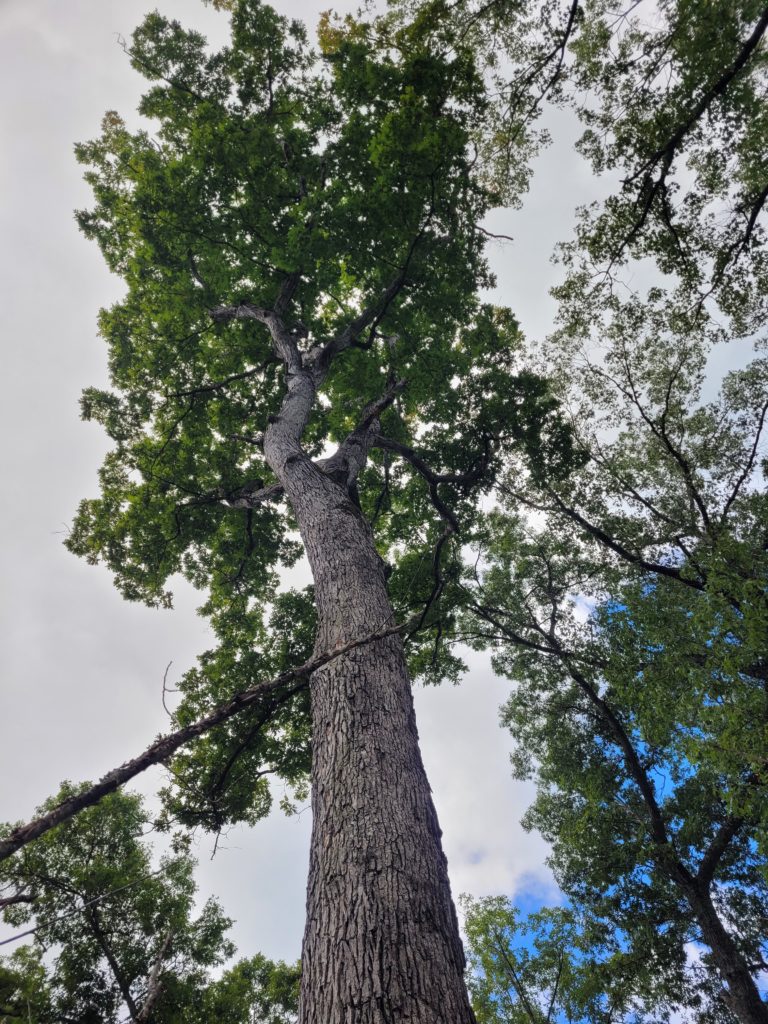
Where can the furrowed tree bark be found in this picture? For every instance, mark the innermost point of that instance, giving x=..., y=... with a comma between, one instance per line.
x=742, y=995
x=381, y=943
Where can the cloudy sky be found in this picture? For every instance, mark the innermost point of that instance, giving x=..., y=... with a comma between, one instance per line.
x=81, y=669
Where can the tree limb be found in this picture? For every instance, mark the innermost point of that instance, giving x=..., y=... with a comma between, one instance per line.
x=652, y=187
x=165, y=746
x=714, y=853
x=154, y=986
x=606, y=540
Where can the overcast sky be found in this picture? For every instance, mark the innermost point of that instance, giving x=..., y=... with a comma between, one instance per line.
x=81, y=669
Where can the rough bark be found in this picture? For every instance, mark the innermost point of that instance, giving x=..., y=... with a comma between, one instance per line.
x=742, y=995
x=381, y=943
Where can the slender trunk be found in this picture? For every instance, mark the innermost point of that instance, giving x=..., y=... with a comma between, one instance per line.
x=742, y=994
x=381, y=942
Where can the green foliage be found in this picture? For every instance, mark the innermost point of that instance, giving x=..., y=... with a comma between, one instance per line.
x=671, y=99
x=253, y=990
x=104, y=918
x=631, y=614
x=260, y=164
x=552, y=965
x=626, y=598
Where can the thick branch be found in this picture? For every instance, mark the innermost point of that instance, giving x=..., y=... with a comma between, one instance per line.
x=424, y=470
x=10, y=901
x=249, y=497
x=165, y=746
x=283, y=340
x=351, y=455
x=717, y=848
x=322, y=357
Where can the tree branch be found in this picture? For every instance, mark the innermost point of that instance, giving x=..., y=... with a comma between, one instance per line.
x=743, y=476
x=321, y=357
x=154, y=986
x=714, y=853
x=351, y=455
x=651, y=187
x=165, y=746
x=10, y=901
x=607, y=541
x=433, y=479
x=122, y=983
x=283, y=340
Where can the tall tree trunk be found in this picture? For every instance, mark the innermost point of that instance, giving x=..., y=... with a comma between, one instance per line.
x=381, y=942
x=742, y=995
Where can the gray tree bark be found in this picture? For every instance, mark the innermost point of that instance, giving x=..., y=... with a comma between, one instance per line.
x=381, y=943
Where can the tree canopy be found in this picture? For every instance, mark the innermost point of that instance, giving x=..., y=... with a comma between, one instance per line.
x=303, y=362
x=114, y=931
x=627, y=601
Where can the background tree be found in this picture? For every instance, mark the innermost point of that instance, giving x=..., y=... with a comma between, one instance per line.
x=552, y=965
x=631, y=613
x=115, y=935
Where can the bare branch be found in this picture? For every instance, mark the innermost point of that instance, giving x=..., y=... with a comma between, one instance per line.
x=164, y=747
x=167, y=689
x=154, y=986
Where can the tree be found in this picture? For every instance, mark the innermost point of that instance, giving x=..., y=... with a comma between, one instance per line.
x=301, y=347
x=303, y=249
x=549, y=966
x=644, y=724
x=114, y=935
x=643, y=717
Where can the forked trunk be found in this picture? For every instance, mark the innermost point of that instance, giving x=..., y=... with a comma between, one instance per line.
x=381, y=942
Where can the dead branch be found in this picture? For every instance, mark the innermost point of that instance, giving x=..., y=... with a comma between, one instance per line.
x=165, y=746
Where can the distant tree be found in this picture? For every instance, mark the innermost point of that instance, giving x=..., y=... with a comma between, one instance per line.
x=549, y=966
x=628, y=603
x=111, y=934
